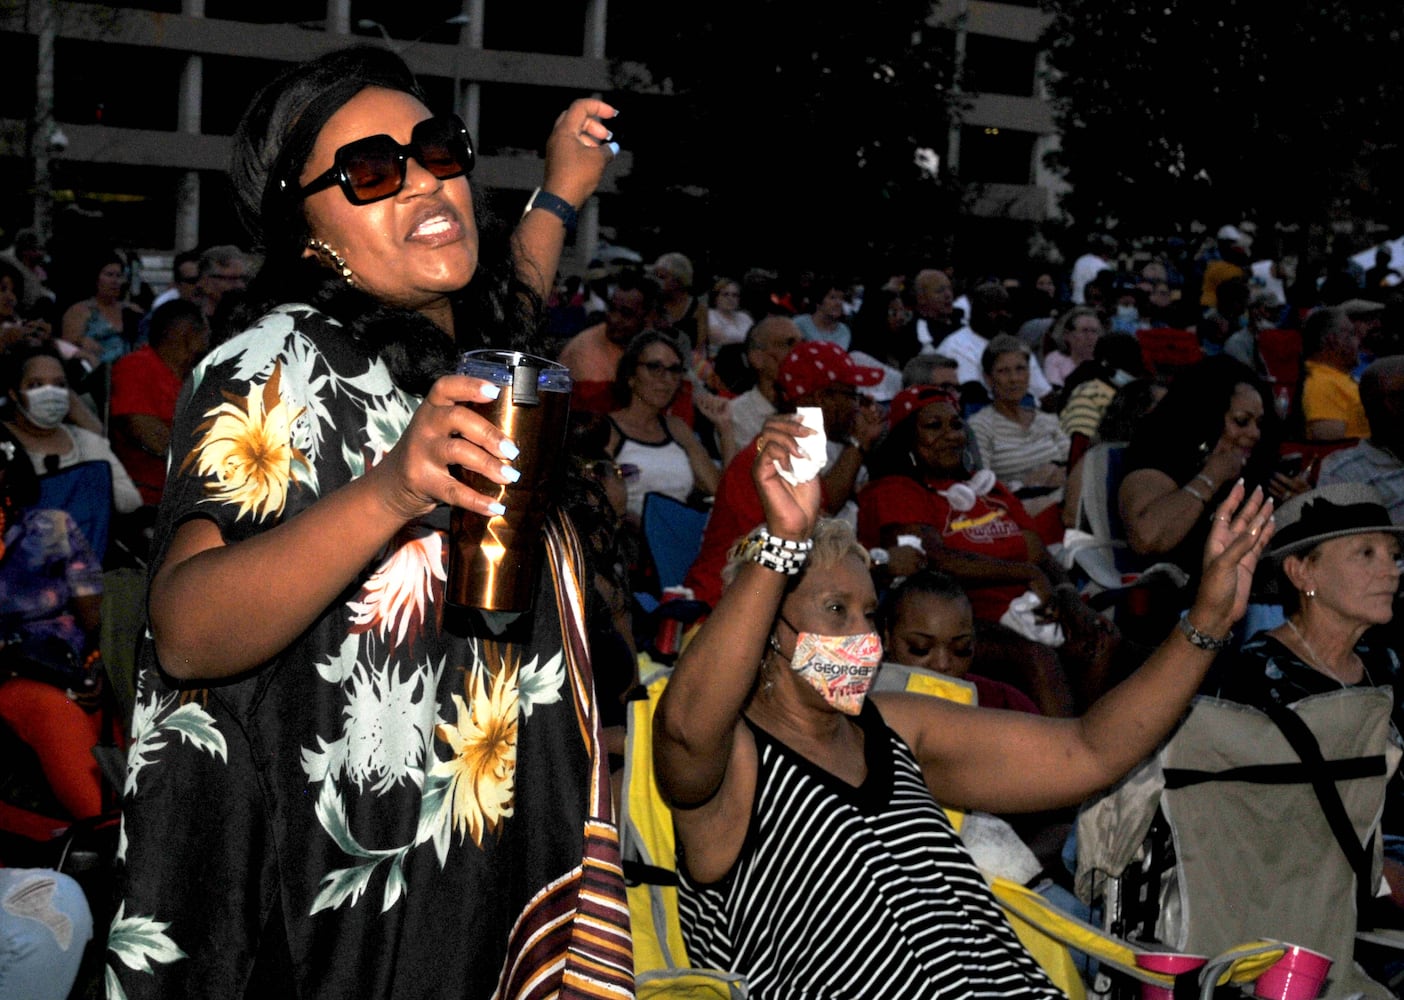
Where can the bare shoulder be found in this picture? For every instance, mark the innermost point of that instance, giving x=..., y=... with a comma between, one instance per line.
x=925, y=722
x=677, y=427
x=78, y=312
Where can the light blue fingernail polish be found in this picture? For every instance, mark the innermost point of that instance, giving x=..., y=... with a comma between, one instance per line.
x=511, y=474
x=508, y=450
x=492, y=391
x=496, y=509
x=613, y=147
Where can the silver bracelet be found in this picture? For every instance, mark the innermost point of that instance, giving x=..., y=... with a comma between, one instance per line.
x=1203, y=640
x=1195, y=493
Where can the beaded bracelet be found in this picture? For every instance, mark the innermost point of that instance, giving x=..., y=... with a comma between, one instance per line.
x=779, y=554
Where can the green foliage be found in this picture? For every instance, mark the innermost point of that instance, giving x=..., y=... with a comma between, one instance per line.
x=1174, y=110
x=790, y=134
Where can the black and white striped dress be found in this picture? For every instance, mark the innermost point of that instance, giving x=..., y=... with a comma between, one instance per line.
x=853, y=893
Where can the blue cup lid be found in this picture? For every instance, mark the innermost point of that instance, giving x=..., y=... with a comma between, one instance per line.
x=497, y=367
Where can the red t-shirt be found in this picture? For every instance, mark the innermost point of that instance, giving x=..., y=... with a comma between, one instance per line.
x=735, y=511
x=143, y=384
x=993, y=527
x=997, y=694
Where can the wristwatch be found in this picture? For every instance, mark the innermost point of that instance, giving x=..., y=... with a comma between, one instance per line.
x=556, y=205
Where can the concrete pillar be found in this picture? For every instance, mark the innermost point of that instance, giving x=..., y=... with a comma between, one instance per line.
x=192, y=87
x=587, y=233
x=339, y=17
x=470, y=36
x=45, y=19
x=953, y=134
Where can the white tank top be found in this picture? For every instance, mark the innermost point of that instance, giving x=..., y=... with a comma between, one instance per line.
x=663, y=467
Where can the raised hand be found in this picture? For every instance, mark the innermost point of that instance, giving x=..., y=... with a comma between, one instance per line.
x=578, y=150
x=1238, y=534
x=715, y=408
x=790, y=511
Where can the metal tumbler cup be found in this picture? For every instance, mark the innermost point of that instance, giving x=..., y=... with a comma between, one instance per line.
x=494, y=561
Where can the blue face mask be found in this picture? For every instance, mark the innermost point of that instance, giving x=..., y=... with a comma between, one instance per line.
x=1126, y=319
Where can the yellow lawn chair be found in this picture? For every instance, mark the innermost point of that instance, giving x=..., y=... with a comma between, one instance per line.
x=661, y=965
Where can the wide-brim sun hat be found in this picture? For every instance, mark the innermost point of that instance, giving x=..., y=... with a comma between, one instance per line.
x=1320, y=515
x=1335, y=511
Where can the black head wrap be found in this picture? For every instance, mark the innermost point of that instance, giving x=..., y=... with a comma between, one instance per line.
x=271, y=148
x=281, y=125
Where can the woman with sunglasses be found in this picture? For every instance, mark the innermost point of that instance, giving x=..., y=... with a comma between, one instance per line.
x=339, y=784
x=670, y=458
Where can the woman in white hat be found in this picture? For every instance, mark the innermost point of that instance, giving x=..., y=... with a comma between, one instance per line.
x=1336, y=560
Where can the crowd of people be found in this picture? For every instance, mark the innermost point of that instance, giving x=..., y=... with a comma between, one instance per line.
x=377, y=776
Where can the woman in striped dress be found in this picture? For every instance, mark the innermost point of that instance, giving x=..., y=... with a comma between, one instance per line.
x=815, y=860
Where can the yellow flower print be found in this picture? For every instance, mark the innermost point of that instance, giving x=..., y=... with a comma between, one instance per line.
x=482, y=771
x=246, y=445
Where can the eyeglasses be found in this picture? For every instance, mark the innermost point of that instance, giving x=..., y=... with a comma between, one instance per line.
x=659, y=368
x=373, y=168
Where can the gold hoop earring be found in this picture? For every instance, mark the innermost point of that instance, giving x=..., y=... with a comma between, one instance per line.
x=324, y=251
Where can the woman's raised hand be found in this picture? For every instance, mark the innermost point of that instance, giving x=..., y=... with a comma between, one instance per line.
x=1240, y=530
x=715, y=408
x=414, y=476
x=578, y=149
x=790, y=510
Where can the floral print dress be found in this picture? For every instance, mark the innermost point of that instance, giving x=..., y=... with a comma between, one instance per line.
x=406, y=801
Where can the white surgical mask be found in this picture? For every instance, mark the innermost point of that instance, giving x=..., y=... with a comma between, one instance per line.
x=840, y=667
x=46, y=405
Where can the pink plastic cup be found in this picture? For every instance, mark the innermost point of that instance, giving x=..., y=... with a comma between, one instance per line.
x=1297, y=975
x=1172, y=963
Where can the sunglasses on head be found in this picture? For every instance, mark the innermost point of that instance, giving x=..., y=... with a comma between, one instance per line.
x=373, y=168
x=604, y=469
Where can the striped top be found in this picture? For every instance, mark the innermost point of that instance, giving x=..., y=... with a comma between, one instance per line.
x=854, y=893
x=1010, y=450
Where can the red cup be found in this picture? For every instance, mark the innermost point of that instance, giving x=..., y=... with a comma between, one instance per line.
x=1297, y=975
x=1172, y=963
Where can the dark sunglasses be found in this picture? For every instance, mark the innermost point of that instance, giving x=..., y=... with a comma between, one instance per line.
x=373, y=168
x=659, y=368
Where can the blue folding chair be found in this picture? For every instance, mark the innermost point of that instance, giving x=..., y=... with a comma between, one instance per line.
x=85, y=492
x=673, y=532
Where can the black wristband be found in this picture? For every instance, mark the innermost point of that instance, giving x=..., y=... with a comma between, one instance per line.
x=556, y=205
